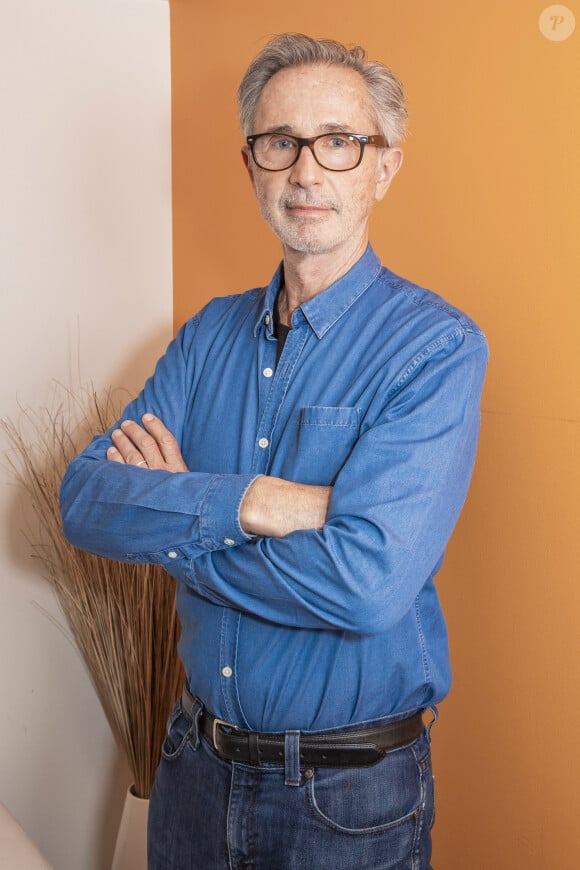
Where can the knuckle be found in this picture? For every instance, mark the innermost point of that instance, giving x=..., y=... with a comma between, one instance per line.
x=147, y=441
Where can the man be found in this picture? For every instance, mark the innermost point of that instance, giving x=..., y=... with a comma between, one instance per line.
x=297, y=462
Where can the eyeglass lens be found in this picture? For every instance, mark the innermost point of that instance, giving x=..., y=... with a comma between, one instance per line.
x=333, y=151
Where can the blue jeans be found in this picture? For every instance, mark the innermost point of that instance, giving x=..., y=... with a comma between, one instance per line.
x=210, y=814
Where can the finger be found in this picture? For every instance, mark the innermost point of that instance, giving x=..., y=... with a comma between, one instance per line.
x=126, y=447
x=165, y=440
x=144, y=443
x=113, y=455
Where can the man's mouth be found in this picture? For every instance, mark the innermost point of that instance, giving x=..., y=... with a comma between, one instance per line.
x=309, y=209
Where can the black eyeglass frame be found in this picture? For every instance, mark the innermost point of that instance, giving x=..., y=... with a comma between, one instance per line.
x=377, y=140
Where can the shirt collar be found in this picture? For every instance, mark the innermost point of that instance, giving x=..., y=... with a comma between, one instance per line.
x=324, y=309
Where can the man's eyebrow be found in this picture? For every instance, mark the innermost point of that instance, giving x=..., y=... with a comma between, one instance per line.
x=336, y=128
x=280, y=128
x=333, y=127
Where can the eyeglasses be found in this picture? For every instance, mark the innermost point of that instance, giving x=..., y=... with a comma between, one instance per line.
x=336, y=151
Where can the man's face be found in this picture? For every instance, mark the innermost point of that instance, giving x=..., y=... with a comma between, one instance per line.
x=314, y=210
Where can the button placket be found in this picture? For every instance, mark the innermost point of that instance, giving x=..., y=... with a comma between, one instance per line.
x=266, y=384
x=273, y=390
x=230, y=625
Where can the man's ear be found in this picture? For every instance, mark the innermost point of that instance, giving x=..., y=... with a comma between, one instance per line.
x=248, y=162
x=389, y=162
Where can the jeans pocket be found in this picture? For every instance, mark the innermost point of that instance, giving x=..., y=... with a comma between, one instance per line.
x=370, y=800
x=180, y=731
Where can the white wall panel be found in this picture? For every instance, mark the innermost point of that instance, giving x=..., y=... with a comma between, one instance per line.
x=85, y=289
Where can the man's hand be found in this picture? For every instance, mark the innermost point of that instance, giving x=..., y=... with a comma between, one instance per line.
x=273, y=507
x=149, y=446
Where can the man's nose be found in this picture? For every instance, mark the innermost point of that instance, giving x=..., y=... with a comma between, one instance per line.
x=306, y=171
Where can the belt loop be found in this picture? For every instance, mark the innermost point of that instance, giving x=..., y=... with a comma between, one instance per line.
x=192, y=708
x=430, y=724
x=292, y=758
x=253, y=748
x=197, y=711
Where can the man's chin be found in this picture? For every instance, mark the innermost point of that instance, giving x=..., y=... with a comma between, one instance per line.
x=303, y=243
x=306, y=248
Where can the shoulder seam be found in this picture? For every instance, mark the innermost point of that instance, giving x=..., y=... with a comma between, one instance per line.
x=422, y=296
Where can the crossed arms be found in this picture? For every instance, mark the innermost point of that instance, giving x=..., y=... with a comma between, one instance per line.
x=272, y=507
x=352, y=557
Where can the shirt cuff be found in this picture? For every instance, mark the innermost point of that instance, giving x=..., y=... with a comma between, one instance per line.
x=219, y=517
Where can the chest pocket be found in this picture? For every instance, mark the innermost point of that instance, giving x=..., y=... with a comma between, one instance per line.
x=326, y=435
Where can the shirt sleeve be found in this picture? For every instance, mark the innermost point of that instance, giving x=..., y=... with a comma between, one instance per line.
x=138, y=515
x=393, y=508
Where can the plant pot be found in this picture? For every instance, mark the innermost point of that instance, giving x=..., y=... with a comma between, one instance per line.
x=131, y=847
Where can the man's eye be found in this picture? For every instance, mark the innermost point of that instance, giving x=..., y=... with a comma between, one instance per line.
x=282, y=144
x=337, y=142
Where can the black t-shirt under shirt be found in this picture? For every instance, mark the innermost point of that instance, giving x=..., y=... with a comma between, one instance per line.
x=281, y=332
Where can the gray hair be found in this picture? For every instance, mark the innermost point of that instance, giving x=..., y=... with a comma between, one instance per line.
x=295, y=49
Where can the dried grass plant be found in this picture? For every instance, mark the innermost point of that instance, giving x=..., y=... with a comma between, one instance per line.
x=122, y=616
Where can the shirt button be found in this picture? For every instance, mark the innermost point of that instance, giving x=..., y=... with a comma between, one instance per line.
x=268, y=372
x=229, y=542
x=227, y=671
x=267, y=319
x=172, y=554
x=263, y=442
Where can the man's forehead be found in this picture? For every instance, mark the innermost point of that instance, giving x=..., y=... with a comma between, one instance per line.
x=323, y=98
x=316, y=76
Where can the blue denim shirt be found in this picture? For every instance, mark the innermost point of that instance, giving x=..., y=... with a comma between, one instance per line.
x=376, y=393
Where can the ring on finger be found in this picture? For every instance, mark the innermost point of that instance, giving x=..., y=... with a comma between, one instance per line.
x=143, y=462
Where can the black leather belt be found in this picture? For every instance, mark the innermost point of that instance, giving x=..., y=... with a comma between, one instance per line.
x=331, y=749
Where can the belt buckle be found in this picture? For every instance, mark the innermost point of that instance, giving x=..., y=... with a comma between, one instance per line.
x=222, y=722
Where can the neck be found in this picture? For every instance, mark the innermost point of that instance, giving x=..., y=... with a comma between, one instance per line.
x=307, y=275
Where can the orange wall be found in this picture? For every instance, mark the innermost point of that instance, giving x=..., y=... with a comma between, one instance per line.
x=485, y=211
